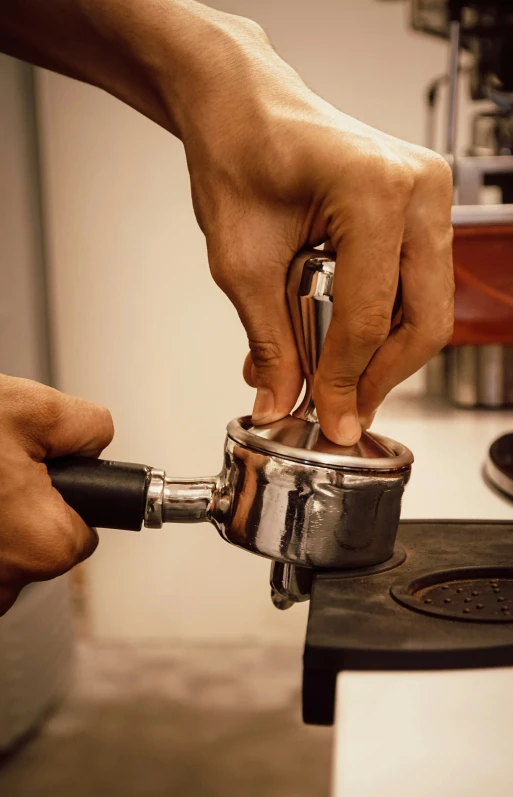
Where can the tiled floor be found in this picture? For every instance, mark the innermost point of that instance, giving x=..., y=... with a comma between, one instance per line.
x=186, y=722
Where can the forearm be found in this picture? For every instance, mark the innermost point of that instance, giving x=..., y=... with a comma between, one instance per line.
x=159, y=56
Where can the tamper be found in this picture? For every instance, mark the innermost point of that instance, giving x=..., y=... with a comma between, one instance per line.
x=285, y=491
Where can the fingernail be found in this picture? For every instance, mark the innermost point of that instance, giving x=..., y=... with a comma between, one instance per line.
x=348, y=430
x=264, y=405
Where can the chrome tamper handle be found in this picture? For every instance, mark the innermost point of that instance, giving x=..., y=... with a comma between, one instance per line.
x=310, y=300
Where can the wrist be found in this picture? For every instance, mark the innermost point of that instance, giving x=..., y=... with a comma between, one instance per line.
x=215, y=72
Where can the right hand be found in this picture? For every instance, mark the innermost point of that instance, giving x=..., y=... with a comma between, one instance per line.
x=41, y=537
x=274, y=169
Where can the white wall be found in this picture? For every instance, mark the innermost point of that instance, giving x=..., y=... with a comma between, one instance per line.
x=141, y=327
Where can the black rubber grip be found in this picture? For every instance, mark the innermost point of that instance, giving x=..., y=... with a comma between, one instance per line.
x=109, y=495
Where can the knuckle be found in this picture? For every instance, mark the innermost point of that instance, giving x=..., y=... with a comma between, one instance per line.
x=436, y=170
x=53, y=407
x=369, y=329
x=62, y=557
x=104, y=426
x=234, y=277
x=431, y=339
x=335, y=381
x=399, y=181
x=443, y=333
x=41, y=412
x=390, y=178
x=222, y=276
x=35, y=561
x=266, y=353
x=27, y=403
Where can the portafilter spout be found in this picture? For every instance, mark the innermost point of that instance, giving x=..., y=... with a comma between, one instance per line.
x=284, y=492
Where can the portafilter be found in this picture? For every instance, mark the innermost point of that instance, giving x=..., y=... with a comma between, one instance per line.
x=285, y=491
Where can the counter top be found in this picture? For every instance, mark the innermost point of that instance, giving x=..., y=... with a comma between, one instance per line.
x=450, y=446
x=434, y=733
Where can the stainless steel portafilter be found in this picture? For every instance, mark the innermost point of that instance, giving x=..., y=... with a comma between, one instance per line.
x=285, y=491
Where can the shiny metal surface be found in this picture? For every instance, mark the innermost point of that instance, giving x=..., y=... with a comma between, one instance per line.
x=502, y=481
x=472, y=172
x=306, y=514
x=153, y=515
x=303, y=441
x=480, y=376
x=452, y=98
x=177, y=500
x=189, y=500
x=294, y=512
x=482, y=215
x=495, y=374
x=498, y=468
x=462, y=375
x=310, y=298
x=289, y=584
x=435, y=376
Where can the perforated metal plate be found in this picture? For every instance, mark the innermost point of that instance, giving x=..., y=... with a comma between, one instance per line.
x=480, y=595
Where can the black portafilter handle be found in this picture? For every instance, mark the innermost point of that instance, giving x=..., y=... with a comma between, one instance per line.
x=105, y=494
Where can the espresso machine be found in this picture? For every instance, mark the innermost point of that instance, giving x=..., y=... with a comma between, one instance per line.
x=476, y=369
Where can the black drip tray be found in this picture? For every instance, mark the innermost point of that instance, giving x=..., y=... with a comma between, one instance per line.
x=447, y=605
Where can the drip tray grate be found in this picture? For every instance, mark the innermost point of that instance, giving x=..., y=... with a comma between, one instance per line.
x=482, y=595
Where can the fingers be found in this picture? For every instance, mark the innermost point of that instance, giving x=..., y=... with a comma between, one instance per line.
x=274, y=365
x=427, y=300
x=366, y=279
x=42, y=537
x=53, y=424
x=257, y=288
x=61, y=539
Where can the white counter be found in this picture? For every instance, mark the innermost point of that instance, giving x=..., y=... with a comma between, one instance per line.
x=449, y=446
x=434, y=734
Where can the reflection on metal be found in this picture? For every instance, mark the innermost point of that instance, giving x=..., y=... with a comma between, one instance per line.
x=472, y=173
x=310, y=298
x=289, y=584
x=469, y=215
x=498, y=467
x=298, y=513
x=472, y=376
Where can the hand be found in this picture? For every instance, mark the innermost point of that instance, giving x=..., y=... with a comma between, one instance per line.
x=40, y=535
x=273, y=169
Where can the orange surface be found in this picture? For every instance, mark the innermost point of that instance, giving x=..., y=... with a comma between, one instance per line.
x=483, y=268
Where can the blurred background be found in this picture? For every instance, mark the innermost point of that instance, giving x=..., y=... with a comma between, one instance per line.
x=188, y=679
